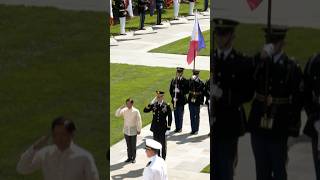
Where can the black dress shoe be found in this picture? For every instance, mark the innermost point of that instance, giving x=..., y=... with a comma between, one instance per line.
x=133, y=161
x=128, y=160
x=123, y=34
x=142, y=29
x=178, y=131
x=192, y=132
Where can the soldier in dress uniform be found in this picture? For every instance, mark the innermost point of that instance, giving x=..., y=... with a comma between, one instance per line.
x=178, y=91
x=156, y=168
x=159, y=7
x=195, y=99
x=160, y=125
x=122, y=15
x=207, y=95
x=275, y=110
x=142, y=4
x=312, y=107
x=232, y=87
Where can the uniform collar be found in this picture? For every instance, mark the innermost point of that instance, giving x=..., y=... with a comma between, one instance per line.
x=277, y=57
x=225, y=52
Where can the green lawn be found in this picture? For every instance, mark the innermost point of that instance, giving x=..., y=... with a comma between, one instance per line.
x=301, y=42
x=206, y=169
x=140, y=83
x=52, y=62
x=133, y=23
x=182, y=46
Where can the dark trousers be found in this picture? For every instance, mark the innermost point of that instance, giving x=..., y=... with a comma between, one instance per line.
x=159, y=16
x=315, y=157
x=142, y=18
x=224, y=158
x=161, y=138
x=194, y=116
x=270, y=157
x=178, y=116
x=131, y=146
x=206, y=4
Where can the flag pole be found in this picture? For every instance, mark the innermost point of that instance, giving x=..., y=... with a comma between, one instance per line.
x=195, y=51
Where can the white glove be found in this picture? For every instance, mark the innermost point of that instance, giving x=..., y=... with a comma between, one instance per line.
x=217, y=92
x=194, y=76
x=175, y=99
x=153, y=100
x=268, y=49
x=167, y=132
x=176, y=90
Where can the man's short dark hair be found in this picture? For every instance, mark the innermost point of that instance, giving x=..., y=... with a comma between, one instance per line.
x=67, y=123
x=129, y=100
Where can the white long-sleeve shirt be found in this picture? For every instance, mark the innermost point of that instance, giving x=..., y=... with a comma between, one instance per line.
x=73, y=163
x=132, y=120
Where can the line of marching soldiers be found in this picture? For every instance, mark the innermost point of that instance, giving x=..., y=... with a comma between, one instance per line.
x=274, y=84
x=125, y=6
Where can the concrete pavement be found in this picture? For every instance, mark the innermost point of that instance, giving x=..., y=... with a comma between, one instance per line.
x=135, y=51
x=187, y=154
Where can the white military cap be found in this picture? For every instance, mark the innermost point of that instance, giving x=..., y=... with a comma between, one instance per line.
x=150, y=143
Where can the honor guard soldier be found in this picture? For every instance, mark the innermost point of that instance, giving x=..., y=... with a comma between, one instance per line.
x=231, y=88
x=160, y=125
x=207, y=95
x=159, y=7
x=178, y=91
x=275, y=110
x=122, y=15
x=156, y=168
x=195, y=99
x=312, y=107
x=142, y=11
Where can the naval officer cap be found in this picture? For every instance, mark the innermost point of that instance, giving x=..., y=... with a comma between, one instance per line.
x=180, y=69
x=224, y=26
x=160, y=92
x=196, y=72
x=152, y=144
x=277, y=33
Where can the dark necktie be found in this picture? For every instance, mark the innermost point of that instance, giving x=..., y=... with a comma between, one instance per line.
x=148, y=163
x=222, y=56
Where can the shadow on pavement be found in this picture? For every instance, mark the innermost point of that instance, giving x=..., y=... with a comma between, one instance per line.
x=117, y=166
x=130, y=174
x=187, y=138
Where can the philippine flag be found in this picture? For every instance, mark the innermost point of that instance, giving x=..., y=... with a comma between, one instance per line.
x=197, y=41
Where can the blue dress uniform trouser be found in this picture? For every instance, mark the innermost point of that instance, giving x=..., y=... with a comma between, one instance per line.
x=315, y=157
x=159, y=16
x=206, y=4
x=224, y=158
x=161, y=138
x=142, y=18
x=194, y=116
x=178, y=116
x=270, y=157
